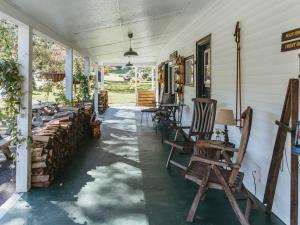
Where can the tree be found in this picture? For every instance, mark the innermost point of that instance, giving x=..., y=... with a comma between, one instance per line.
x=8, y=40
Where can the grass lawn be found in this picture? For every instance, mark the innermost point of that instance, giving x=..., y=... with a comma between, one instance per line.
x=122, y=92
x=119, y=91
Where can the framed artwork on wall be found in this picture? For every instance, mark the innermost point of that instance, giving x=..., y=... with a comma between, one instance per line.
x=189, y=71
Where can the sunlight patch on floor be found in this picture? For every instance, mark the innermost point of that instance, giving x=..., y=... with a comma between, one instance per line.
x=124, y=127
x=21, y=211
x=110, y=190
x=123, y=137
x=128, y=151
x=125, y=114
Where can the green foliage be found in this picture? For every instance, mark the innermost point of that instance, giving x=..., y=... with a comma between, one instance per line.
x=120, y=69
x=11, y=91
x=47, y=88
x=47, y=56
x=8, y=40
x=63, y=100
x=131, y=73
x=79, y=76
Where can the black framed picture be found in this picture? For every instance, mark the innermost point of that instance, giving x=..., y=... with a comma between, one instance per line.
x=189, y=71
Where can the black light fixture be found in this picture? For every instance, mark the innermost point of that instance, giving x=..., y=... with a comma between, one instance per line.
x=129, y=63
x=130, y=52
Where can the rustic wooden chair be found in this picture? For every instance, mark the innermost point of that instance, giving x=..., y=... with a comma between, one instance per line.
x=201, y=129
x=222, y=175
x=162, y=111
x=163, y=99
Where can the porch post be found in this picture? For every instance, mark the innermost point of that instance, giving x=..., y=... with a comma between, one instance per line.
x=87, y=70
x=102, y=77
x=135, y=84
x=96, y=87
x=69, y=72
x=156, y=85
x=152, y=78
x=23, y=159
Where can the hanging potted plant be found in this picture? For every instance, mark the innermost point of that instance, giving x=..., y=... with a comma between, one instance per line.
x=55, y=67
x=11, y=91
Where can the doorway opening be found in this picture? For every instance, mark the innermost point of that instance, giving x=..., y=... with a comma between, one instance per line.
x=203, y=67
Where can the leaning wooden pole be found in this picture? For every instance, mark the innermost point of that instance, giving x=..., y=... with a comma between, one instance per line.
x=238, y=93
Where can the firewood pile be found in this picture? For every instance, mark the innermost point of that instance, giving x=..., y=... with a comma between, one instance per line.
x=55, y=142
x=103, y=101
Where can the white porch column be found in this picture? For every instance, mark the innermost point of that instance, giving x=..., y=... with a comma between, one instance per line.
x=23, y=165
x=135, y=84
x=69, y=72
x=96, y=88
x=152, y=78
x=102, y=77
x=156, y=85
x=87, y=71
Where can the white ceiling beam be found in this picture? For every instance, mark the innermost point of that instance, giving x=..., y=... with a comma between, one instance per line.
x=16, y=16
x=134, y=64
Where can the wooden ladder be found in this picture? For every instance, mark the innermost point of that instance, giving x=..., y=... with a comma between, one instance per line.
x=287, y=123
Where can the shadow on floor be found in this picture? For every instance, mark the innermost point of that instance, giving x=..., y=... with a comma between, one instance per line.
x=121, y=180
x=7, y=178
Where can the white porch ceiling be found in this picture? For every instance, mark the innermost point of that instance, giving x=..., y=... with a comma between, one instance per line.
x=100, y=27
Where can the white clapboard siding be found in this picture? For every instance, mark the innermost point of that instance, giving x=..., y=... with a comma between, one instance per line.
x=265, y=75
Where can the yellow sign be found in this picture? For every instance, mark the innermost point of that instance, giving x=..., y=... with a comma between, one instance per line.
x=289, y=46
x=290, y=35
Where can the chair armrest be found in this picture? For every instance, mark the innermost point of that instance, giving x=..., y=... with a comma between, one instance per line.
x=201, y=133
x=212, y=162
x=215, y=145
x=182, y=127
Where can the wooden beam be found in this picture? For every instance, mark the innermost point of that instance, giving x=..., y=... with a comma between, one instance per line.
x=278, y=152
x=294, y=158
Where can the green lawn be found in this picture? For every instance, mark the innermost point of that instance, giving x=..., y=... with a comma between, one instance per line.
x=122, y=92
x=119, y=91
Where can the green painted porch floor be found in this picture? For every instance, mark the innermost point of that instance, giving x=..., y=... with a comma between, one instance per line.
x=121, y=180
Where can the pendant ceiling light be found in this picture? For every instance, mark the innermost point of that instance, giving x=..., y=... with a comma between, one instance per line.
x=129, y=63
x=130, y=52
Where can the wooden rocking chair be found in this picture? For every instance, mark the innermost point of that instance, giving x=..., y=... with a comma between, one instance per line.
x=208, y=173
x=201, y=129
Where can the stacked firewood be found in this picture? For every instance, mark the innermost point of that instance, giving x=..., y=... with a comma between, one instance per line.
x=103, y=101
x=54, y=143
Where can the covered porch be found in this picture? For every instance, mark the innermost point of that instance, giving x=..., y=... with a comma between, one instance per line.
x=121, y=179
x=232, y=54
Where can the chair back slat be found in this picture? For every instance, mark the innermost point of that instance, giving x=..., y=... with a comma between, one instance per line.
x=247, y=122
x=165, y=98
x=160, y=97
x=203, y=118
x=168, y=98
